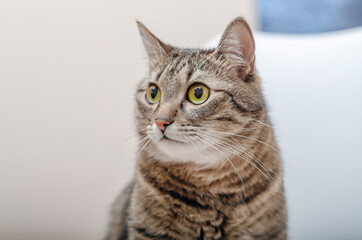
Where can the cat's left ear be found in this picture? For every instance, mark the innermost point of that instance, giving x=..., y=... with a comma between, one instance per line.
x=155, y=48
x=238, y=47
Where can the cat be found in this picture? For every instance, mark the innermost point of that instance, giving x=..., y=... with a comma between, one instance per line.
x=207, y=166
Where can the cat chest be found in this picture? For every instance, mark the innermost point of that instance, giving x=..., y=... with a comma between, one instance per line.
x=177, y=219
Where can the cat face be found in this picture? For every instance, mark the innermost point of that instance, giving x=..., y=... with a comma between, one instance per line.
x=193, y=101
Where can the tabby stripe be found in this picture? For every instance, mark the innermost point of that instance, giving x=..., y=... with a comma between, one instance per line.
x=240, y=108
x=180, y=181
x=189, y=74
x=233, y=101
x=227, y=199
x=180, y=68
x=279, y=233
x=222, y=225
x=174, y=194
x=236, y=199
x=184, y=199
x=124, y=235
x=229, y=119
x=201, y=237
x=174, y=63
x=140, y=90
x=144, y=232
x=159, y=74
x=257, y=192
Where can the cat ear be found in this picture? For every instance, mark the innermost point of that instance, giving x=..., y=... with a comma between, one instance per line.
x=238, y=47
x=155, y=48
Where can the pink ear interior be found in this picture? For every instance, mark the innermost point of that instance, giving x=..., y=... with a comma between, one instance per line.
x=237, y=44
x=246, y=40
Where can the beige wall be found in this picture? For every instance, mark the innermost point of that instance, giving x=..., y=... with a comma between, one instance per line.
x=68, y=70
x=189, y=23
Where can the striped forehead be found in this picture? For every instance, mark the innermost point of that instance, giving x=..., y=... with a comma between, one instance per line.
x=174, y=75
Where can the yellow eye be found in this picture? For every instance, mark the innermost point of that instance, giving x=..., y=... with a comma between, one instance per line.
x=198, y=93
x=153, y=94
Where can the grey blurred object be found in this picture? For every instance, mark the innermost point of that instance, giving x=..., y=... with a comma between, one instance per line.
x=309, y=16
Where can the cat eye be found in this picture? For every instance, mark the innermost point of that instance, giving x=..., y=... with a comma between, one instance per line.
x=153, y=94
x=198, y=93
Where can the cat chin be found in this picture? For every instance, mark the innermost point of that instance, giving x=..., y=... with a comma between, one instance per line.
x=169, y=151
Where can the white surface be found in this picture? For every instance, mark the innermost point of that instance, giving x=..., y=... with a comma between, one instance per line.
x=313, y=84
x=314, y=87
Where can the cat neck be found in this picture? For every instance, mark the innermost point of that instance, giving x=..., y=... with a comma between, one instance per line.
x=232, y=183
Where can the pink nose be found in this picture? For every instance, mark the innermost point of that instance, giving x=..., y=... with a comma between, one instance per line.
x=162, y=124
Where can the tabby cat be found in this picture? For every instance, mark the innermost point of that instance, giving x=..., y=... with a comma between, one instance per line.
x=207, y=166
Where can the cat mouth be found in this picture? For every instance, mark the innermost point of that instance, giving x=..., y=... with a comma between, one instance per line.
x=167, y=139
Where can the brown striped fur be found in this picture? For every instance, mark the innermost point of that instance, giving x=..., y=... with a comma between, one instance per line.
x=222, y=177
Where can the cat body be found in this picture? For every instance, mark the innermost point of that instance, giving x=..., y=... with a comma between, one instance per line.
x=207, y=166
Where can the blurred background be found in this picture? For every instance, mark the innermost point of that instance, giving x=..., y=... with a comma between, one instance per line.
x=68, y=71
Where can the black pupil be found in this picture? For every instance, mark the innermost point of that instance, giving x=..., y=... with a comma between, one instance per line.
x=198, y=92
x=154, y=92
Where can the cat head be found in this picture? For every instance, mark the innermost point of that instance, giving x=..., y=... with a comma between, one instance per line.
x=194, y=101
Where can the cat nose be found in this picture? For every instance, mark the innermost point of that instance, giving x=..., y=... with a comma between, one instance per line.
x=162, y=124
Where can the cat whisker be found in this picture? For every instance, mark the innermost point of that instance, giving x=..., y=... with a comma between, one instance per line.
x=135, y=134
x=143, y=139
x=146, y=144
x=237, y=153
x=262, y=123
x=259, y=162
x=232, y=164
x=210, y=128
x=233, y=150
x=246, y=137
x=131, y=128
x=262, y=165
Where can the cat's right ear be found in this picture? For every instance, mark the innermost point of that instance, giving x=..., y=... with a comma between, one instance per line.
x=155, y=48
